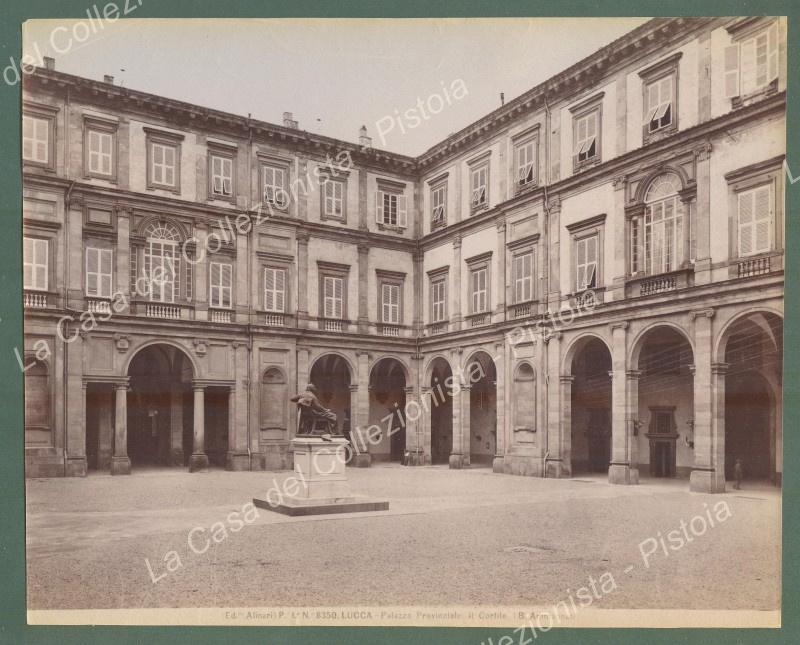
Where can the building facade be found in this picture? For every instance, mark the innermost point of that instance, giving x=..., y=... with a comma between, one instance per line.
x=587, y=279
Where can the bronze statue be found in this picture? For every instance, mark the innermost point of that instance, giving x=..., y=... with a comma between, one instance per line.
x=315, y=419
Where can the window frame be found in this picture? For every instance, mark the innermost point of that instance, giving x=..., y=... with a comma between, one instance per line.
x=166, y=140
x=99, y=273
x=396, y=190
x=655, y=75
x=581, y=231
x=334, y=182
x=275, y=268
x=438, y=188
x=519, y=146
x=221, y=288
x=592, y=106
x=227, y=154
x=390, y=279
x=478, y=263
x=515, y=277
x=48, y=115
x=327, y=270
x=744, y=32
x=274, y=168
x=34, y=265
x=439, y=277
x=104, y=127
x=474, y=187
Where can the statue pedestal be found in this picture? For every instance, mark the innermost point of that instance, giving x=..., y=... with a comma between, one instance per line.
x=320, y=484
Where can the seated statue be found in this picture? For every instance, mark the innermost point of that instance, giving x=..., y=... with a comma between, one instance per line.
x=315, y=419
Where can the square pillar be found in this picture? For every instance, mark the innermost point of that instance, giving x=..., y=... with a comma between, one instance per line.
x=120, y=463
x=360, y=412
x=198, y=460
x=562, y=467
x=176, y=426
x=503, y=401
x=620, y=470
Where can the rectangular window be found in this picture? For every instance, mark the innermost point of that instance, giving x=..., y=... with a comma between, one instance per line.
x=35, y=139
x=391, y=209
x=163, y=164
x=755, y=220
x=660, y=100
x=221, y=176
x=275, y=289
x=333, y=297
x=161, y=269
x=751, y=64
x=479, y=182
x=390, y=303
x=221, y=284
x=523, y=277
x=585, y=131
x=35, y=264
x=98, y=272
x=439, y=300
x=438, y=204
x=636, y=241
x=586, y=263
x=479, y=287
x=663, y=236
x=334, y=199
x=526, y=163
x=101, y=151
x=275, y=186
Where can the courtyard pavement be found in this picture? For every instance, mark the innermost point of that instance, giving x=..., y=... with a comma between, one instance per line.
x=468, y=537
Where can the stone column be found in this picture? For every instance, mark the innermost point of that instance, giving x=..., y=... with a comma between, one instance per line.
x=619, y=262
x=412, y=409
x=457, y=450
x=563, y=467
x=696, y=205
x=360, y=413
x=238, y=457
x=200, y=292
x=302, y=279
x=503, y=399
x=550, y=390
x=75, y=457
x=620, y=470
x=425, y=449
x=708, y=473
x=632, y=414
x=465, y=432
x=123, y=259
x=553, y=267
x=455, y=298
x=500, y=279
x=120, y=463
x=362, y=199
x=105, y=422
x=176, y=426
x=363, y=295
x=198, y=460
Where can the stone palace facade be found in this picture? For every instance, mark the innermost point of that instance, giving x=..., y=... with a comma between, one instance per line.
x=587, y=279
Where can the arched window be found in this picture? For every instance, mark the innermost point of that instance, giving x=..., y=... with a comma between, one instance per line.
x=162, y=262
x=658, y=239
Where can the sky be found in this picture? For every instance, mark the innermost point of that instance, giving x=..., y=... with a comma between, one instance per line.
x=334, y=75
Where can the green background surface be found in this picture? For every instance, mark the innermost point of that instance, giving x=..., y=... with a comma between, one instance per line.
x=12, y=510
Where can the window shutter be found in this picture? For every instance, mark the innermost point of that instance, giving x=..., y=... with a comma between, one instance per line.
x=379, y=207
x=402, y=216
x=745, y=223
x=732, y=71
x=92, y=269
x=763, y=219
x=338, y=296
x=269, y=289
x=747, y=62
x=772, y=55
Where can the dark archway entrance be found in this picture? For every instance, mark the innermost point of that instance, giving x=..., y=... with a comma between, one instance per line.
x=331, y=375
x=482, y=377
x=590, y=432
x=441, y=406
x=753, y=354
x=387, y=403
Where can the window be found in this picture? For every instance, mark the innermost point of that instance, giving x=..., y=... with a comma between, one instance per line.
x=221, y=176
x=163, y=168
x=333, y=199
x=523, y=276
x=755, y=220
x=439, y=299
x=586, y=139
x=274, y=183
x=438, y=205
x=526, y=163
x=221, y=285
x=274, y=289
x=662, y=231
x=480, y=186
x=390, y=303
x=100, y=152
x=162, y=263
x=35, y=264
x=660, y=96
x=751, y=64
x=586, y=263
x=333, y=297
x=391, y=209
x=479, y=289
x=36, y=139
x=98, y=272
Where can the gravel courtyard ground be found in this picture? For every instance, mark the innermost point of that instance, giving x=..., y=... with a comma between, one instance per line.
x=468, y=537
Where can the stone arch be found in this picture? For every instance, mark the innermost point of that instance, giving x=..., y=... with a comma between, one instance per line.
x=725, y=332
x=576, y=345
x=646, y=183
x=148, y=223
x=640, y=338
x=427, y=371
x=196, y=372
x=324, y=353
x=386, y=357
x=479, y=428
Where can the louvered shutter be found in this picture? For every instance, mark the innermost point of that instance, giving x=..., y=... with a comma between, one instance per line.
x=379, y=207
x=92, y=270
x=762, y=211
x=280, y=289
x=269, y=289
x=732, y=71
x=772, y=52
x=402, y=216
x=746, y=223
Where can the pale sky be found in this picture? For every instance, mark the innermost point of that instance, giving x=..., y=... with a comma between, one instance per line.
x=334, y=75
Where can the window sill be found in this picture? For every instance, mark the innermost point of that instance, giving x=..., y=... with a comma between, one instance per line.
x=521, y=189
x=440, y=327
x=640, y=285
x=579, y=166
x=660, y=134
x=390, y=227
x=755, y=265
x=168, y=189
x=744, y=100
x=522, y=309
x=479, y=319
x=474, y=210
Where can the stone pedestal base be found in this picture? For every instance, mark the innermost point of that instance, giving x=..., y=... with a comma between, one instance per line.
x=417, y=458
x=120, y=466
x=361, y=460
x=176, y=457
x=320, y=485
x=498, y=464
x=457, y=462
x=198, y=461
x=557, y=469
x=75, y=467
x=706, y=481
x=237, y=461
x=622, y=474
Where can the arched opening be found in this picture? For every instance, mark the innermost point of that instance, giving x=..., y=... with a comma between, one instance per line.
x=482, y=377
x=387, y=402
x=665, y=424
x=331, y=376
x=590, y=431
x=160, y=407
x=753, y=353
x=441, y=407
